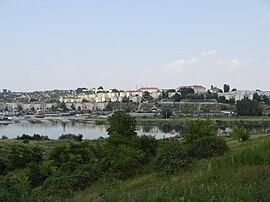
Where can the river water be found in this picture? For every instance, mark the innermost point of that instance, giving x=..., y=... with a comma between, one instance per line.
x=93, y=131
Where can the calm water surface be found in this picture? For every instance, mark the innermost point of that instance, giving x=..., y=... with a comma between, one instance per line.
x=89, y=131
x=93, y=131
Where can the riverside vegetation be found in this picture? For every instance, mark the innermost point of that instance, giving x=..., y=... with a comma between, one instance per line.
x=126, y=167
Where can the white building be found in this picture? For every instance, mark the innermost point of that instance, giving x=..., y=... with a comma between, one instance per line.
x=198, y=89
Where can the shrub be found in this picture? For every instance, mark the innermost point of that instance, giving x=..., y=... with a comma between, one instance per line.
x=121, y=161
x=37, y=174
x=34, y=137
x=3, y=167
x=15, y=189
x=64, y=184
x=69, y=157
x=207, y=147
x=122, y=124
x=240, y=134
x=71, y=137
x=171, y=158
x=198, y=129
x=20, y=155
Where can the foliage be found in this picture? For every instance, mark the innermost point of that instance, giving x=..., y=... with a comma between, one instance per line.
x=171, y=158
x=3, y=167
x=123, y=157
x=242, y=175
x=166, y=112
x=62, y=106
x=4, y=137
x=195, y=96
x=186, y=91
x=177, y=97
x=240, y=134
x=121, y=124
x=207, y=147
x=37, y=173
x=20, y=155
x=34, y=137
x=198, y=129
x=121, y=161
x=71, y=137
x=64, y=184
x=146, y=96
x=15, y=189
x=69, y=157
x=226, y=88
x=246, y=107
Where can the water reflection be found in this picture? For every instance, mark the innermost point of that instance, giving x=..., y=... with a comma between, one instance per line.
x=92, y=131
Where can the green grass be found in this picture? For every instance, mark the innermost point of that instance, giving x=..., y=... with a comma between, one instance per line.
x=243, y=174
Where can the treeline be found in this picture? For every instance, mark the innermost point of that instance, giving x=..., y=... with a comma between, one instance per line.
x=72, y=165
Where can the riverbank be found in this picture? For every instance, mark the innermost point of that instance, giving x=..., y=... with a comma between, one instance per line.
x=97, y=120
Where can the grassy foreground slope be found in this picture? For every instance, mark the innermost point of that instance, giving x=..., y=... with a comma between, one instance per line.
x=243, y=174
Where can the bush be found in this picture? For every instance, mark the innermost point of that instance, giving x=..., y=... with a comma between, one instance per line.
x=3, y=167
x=171, y=158
x=71, y=137
x=198, y=129
x=15, y=189
x=207, y=147
x=121, y=161
x=34, y=137
x=37, y=174
x=20, y=155
x=64, y=184
x=240, y=134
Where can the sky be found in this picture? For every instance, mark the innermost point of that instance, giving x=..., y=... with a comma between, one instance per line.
x=66, y=44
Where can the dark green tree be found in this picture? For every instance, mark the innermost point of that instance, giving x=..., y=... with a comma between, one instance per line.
x=226, y=88
x=177, y=97
x=198, y=129
x=73, y=107
x=122, y=124
x=265, y=99
x=247, y=107
x=166, y=112
x=186, y=91
x=257, y=97
x=62, y=105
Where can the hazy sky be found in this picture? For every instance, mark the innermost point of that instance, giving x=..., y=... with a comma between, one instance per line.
x=64, y=44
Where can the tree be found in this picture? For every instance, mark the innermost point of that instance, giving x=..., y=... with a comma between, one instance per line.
x=257, y=97
x=20, y=108
x=186, y=91
x=166, y=112
x=122, y=124
x=265, y=99
x=73, y=107
x=62, y=105
x=240, y=134
x=247, y=107
x=177, y=97
x=198, y=129
x=226, y=88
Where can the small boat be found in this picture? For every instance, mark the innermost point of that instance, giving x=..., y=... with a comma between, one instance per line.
x=39, y=116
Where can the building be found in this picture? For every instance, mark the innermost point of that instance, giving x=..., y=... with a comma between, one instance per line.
x=198, y=89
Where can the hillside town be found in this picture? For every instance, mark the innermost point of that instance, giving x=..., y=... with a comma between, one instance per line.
x=193, y=99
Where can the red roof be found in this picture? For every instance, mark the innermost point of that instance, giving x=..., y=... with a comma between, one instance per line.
x=149, y=88
x=194, y=86
x=198, y=86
